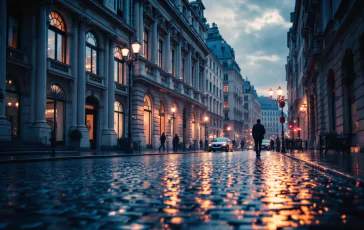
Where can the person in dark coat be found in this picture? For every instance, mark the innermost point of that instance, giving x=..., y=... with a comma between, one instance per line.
x=272, y=144
x=258, y=135
x=163, y=141
x=175, y=143
x=278, y=143
x=242, y=143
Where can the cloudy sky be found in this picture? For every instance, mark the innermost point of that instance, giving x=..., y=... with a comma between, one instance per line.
x=257, y=30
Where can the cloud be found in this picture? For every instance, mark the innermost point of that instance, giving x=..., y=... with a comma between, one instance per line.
x=257, y=30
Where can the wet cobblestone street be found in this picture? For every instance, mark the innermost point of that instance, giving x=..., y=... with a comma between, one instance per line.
x=189, y=191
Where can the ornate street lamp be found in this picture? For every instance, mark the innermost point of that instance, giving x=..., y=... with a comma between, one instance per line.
x=206, y=120
x=173, y=110
x=281, y=101
x=130, y=59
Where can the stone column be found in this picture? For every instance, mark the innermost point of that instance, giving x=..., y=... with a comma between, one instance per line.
x=106, y=91
x=167, y=60
x=154, y=45
x=189, y=68
x=5, y=132
x=81, y=97
x=74, y=61
x=141, y=26
x=40, y=127
x=179, y=60
x=126, y=11
x=197, y=74
x=136, y=22
x=111, y=87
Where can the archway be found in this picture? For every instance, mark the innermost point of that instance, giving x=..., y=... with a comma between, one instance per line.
x=55, y=111
x=91, y=113
x=148, y=121
x=350, y=122
x=193, y=128
x=12, y=107
x=184, y=126
x=162, y=119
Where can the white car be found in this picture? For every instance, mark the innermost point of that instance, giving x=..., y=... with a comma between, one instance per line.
x=221, y=143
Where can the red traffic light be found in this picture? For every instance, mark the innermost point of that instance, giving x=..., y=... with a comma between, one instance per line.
x=290, y=126
x=282, y=119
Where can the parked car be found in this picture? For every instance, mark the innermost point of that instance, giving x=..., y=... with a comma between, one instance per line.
x=265, y=145
x=221, y=143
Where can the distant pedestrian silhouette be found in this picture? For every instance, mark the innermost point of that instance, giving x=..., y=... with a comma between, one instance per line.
x=163, y=141
x=271, y=144
x=258, y=135
x=242, y=143
x=175, y=143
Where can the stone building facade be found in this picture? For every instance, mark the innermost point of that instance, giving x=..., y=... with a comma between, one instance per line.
x=232, y=84
x=213, y=73
x=252, y=109
x=325, y=69
x=61, y=69
x=270, y=117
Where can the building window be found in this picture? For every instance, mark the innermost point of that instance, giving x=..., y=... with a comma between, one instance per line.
x=183, y=68
x=160, y=54
x=55, y=111
x=118, y=119
x=56, y=37
x=226, y=88
x=13, y=32
x=146, y=45
x=91, y=53
x=162, y=119
x=119, y=75
x=207, y=84
x=172, y=62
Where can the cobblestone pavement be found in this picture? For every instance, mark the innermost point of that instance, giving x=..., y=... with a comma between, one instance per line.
x=190, y=191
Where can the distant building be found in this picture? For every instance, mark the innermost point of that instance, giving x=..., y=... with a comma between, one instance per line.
x=232, y=83
x=252, y=108
x=270, y=117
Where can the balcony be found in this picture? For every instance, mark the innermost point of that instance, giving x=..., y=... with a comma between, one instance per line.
x=121, y=89
x=59, y=68
x=165, y=81
x=95, y=80
x=16, y=57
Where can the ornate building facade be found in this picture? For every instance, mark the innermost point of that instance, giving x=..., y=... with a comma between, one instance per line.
x=252, y=108
x=213, y=73
x=325, y=69
x=232, y=84
x=270, y=117
x=62, y=69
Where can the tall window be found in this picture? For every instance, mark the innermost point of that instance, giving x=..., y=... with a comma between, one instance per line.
x=56, y=37
x=226, y=105
x=13, y=32
x=146, y=41
x=91, y=53
x=226, y=77
x=160, y=53
x=172, y=62
x=183, y=68
x=118, y=119
x=226, y=88
x=162, y=119
x=119, y=75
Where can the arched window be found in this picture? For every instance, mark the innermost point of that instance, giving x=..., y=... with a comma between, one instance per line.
x=148, y=121
x=91, y=53
x=119, y=75
x=162, y=118
x=56, y=37
x=118, y=119
x=55, y=112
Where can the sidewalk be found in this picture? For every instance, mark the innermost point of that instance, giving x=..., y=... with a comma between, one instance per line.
x=17, y=158
x=348, y=164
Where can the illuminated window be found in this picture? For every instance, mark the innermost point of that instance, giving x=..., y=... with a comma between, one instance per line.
x=160, y=54
x=119, y=75
x=226, y=88
x=118, y=119
x=91, y=53
x=146, y=45
x=56, y=37
x=226, y=105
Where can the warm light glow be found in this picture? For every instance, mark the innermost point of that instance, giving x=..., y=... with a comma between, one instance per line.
x=270, y=91
x=9, y=103
x=17, y=104
x=136, y=47
x=280, y=91
x=125, y=51
x=173, y=109
x=228, y=128
x=206, y=119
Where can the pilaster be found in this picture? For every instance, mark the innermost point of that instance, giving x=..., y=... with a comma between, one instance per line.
x=154, y=47
x=74, y=58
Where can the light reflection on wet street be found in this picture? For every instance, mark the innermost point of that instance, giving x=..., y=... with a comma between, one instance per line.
x=204, y=191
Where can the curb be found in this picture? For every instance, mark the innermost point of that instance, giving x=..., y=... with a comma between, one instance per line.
x=357, y=180
x=89, y=157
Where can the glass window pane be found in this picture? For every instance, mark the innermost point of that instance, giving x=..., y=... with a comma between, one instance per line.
x=88, y=59
x=60, y=121
x=121, y=124
x=116, y=71
x=116, y=124
x=51, y=44
x=94, y=61
x=120, y=74
x=59, y=47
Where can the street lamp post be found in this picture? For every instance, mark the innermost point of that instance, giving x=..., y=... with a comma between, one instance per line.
x=206, y=120
x=130, y=59
x=173, y=110
x=228, y=129
x=281, y=102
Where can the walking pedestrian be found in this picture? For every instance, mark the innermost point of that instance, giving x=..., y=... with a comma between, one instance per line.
x=278, y=143
x=258, y=135
x=242, y=143
x=175, y=143
x=163, y=141
x=271, y=144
